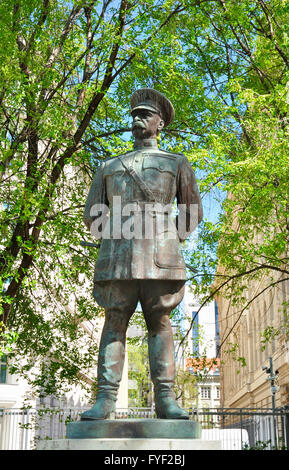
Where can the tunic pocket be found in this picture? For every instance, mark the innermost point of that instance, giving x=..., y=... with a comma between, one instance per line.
x=163, y=165
x=167, y=245
x=160, y=175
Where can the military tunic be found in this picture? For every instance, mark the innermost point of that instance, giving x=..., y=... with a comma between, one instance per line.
x=169, y=177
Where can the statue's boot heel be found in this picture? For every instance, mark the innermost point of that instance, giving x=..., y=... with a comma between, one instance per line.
x=104, y=408
x=167, y=408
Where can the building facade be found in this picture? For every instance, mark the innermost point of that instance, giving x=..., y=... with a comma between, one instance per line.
x=245, y=353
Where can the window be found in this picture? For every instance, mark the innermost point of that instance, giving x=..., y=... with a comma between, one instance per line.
x=218, y=392
x=3, y=369
x=205, y=392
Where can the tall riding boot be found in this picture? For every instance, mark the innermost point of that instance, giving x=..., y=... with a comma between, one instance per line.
x=162, y=365
x=109, y=371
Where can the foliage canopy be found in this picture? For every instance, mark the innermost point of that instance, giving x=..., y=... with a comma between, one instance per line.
x=67, y=72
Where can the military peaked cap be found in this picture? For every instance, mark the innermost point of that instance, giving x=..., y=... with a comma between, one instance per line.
x=147, y=98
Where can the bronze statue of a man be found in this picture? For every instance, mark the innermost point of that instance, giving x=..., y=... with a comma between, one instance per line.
x=149, y=267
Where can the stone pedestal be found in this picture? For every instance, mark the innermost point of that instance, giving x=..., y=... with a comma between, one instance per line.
x=132, y=444
x=134, y=428
x=131, y=435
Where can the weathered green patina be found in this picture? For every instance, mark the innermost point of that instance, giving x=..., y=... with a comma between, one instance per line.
x=138, y=190
x=134, y=428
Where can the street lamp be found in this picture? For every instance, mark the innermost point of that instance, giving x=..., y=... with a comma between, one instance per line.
x=272, y=377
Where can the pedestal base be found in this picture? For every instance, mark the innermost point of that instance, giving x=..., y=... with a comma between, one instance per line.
x=129, y=444
x=131, y=434
x=134, y=428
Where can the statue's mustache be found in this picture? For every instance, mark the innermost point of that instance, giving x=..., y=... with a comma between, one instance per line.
x=138, y=124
